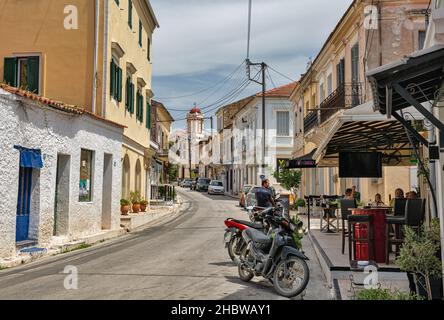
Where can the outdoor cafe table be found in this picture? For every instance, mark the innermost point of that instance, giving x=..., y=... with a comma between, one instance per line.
x=379, y=234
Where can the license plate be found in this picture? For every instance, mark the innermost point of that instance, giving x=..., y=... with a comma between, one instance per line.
x=227, y=237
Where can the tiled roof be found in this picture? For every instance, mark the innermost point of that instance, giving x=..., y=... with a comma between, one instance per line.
x=56, y=104
x=283, y=91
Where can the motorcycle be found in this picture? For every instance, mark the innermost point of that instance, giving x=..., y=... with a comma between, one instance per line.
x=275, y=256
x=233, y=236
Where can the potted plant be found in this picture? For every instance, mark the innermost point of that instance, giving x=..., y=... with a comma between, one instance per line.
x=420, y=256
x=143, y=205
x=135, y=201
x=124, y=207
x=300, y=205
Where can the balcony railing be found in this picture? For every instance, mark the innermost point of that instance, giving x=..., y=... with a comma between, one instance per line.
x=345, y=97
x=310, y=121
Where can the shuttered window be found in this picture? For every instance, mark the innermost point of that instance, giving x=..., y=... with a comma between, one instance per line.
x=130, y=13
x=139, y=107
x=283, y=123
x=148, y=115
x=23, y=72
x=116, y=81
x=140, y=33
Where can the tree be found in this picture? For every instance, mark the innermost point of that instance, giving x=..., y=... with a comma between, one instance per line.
x=172, y=172
x=289, y=179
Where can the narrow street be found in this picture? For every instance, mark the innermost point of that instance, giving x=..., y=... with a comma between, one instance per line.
x=182, y=259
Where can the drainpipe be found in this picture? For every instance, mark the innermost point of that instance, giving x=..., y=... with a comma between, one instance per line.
x=105, y=54
x=96, y=47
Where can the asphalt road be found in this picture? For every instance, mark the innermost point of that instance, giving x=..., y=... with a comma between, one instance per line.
x=181, y=259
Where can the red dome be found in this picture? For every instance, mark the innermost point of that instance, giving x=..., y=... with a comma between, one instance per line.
x=195, y=110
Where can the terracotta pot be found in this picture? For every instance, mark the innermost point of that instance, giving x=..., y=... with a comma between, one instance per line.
x=136, y=208
x=143, y=207
x=124, y=210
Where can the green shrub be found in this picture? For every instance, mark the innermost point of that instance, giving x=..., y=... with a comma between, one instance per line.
x=124, y=202
x=300, y=203
x=384, y=294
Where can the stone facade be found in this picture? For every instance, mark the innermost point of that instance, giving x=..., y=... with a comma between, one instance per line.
x=34, y=125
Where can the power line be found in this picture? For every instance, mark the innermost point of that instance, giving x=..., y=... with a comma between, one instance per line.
x=281, y=74
x=271, y=79
x=204, y=90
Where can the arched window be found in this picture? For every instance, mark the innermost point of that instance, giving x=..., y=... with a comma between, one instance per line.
x=126, y=178
x=138, y=180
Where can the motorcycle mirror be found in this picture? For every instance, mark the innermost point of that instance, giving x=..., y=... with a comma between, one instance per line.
x=250, y=208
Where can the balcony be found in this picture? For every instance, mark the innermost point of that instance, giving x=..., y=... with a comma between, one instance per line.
x=346, y=96
x=310, y=121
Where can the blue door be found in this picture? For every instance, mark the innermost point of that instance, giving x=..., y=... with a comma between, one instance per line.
x=23, y=204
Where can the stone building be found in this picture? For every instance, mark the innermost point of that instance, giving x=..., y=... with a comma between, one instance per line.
x=60, y=171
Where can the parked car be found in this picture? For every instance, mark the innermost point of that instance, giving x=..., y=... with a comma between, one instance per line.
x=250, y=198
x=243, y=195
x=202, y=184
x=216, y=187
x=187, y=183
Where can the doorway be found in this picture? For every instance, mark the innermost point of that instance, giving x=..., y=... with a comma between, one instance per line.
x=61, y=205
x=107, y=191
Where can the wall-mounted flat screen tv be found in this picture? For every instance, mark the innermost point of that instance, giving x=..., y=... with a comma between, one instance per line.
x=360, y=165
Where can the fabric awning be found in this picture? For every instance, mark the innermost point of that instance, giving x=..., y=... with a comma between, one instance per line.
x=306, y=161
x=30, y=158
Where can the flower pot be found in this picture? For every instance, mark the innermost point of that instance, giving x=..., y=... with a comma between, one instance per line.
x=435, y=284
x=143, y=207
x=124, y=210
x=136, y=208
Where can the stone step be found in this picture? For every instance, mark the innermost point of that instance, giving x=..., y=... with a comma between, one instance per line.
x=25, y=244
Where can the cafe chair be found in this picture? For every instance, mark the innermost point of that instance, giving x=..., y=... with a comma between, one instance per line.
x=331, y=220
x=414, y=215
x=345, y=213
x=363, y=236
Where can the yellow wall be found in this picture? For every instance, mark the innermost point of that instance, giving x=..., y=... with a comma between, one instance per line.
x=37, y=27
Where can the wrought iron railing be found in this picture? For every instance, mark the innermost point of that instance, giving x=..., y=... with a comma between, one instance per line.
x=164, y=192
x=310, y=121
x=345, y=97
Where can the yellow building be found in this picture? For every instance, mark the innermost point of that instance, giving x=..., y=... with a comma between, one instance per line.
x=88, y=53
x=335, y=95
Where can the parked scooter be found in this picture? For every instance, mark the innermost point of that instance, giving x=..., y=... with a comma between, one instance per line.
x=275, y=256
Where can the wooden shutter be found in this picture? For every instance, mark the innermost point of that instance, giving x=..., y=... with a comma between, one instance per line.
x=33, y=70
x=112, y=78
x=148, y=115
x=132, y=99
x=10, y=71
x=119, y=84
x=130, y=13
x=127, y=92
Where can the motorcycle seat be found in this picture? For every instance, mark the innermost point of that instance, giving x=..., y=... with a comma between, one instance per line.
x=258, y=237
x=249, y=224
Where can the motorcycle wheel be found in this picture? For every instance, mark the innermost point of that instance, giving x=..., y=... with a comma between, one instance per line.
x=232, y=249
x=244, y=274
x=295, y=281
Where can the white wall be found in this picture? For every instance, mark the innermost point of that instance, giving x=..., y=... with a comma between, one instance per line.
x=54, y=132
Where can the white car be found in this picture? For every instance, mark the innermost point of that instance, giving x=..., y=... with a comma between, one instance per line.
x=216, y=187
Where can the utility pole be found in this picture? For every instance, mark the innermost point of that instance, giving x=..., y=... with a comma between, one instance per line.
x=189, y=152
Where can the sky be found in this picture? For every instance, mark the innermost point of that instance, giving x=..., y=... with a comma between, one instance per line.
x=200, y=46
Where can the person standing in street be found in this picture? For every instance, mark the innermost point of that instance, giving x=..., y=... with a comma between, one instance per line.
x=264, y=196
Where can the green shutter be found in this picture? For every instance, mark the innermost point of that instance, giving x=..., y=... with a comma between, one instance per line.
x=130, y=13
x=33, y=71
x=127, y=83
x=132, y=99
x=140, y=33
x=119, y=84
x=141, y=108
x=148, y=115
x=112, y=78
x=10, y=71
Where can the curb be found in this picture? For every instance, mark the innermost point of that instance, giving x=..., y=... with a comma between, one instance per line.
x=87, y=242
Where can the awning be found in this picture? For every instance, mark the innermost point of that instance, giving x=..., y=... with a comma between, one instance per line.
x=302, y=162
x=413, y=81
x=30, y=158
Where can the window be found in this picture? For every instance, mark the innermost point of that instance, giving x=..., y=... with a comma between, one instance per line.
x=116, y=1
x=140, y=33
x=139, y=107
x=283, y=123
x=129, y=93
x=340, y=73
x=86, y=176
x=116, y=81
x=149, y=49
x=329, y=84
x=148, y=114
x=421, y=39
x=130, y=13
x=321, y=93
x=22, y=72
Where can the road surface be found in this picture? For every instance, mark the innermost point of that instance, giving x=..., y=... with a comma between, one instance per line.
x=182, y=259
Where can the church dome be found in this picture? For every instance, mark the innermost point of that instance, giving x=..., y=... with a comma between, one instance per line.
x=195, y=110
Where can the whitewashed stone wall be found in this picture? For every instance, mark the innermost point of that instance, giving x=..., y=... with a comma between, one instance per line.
x=31, y=125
